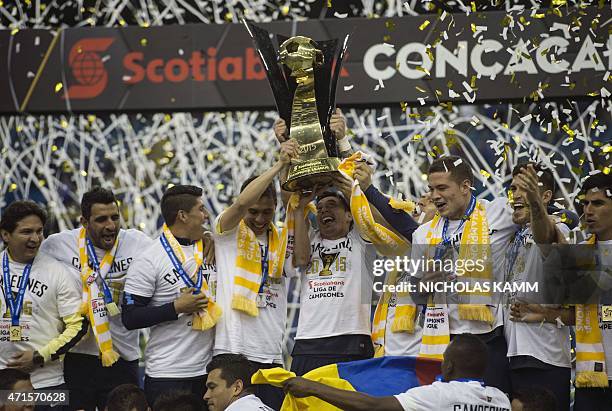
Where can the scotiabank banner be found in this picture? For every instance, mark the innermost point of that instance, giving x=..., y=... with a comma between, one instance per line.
x=480, y=57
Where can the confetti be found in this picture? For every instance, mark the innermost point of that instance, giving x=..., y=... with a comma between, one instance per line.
x=424, y=25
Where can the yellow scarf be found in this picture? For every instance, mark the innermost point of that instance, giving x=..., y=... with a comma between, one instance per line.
x=93, y=306
x=205, y=319
x=474, y=246
x=385, y=241
x=590, y=356
x=436, y=330
x=248, y=278
x=402, y=322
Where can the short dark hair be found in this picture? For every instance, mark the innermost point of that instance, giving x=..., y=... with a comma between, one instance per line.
x=469, y=354
x=535, y=398
x=459, y=169
x=10, y=376
x=174, y=400
x=17, y=211
x=96, y=195
x=126, y=397
x=233, y=367
x=177, y=198
x=334, y=192
x=600, y=181
x=269, y=192
x=545, y=176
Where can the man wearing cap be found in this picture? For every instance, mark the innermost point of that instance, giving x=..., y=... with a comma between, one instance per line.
x=335, y=296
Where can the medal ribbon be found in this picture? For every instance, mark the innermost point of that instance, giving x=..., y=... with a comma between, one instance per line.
x=15, y=304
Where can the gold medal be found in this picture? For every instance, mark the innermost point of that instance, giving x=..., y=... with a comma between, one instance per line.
x=15, y=333
x=606, y=313
x=112, y=309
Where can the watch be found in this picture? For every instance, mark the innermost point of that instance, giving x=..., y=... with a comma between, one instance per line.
x=38, y=359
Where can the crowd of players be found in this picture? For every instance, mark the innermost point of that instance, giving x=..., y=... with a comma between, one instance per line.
x=213, y=295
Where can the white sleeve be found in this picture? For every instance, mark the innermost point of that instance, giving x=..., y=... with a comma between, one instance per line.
x=49, y=246
x=68, y=293
x=141, y=278
x=426, y=397
x=418, y=251
x=216, y=229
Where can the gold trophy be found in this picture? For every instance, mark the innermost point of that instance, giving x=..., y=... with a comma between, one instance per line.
x=304, y=86
x=327, y=260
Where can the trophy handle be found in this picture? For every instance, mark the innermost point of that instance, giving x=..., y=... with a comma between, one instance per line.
x=336, y=76
x=276, y=77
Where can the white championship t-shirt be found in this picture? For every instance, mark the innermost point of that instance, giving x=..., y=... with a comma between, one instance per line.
x=174, y=349
x=336, y=290
x=501, y=229
x=454, y=396
x=258, y=338
x=64, y=247
x=545, y=341
x=605, y=254
x=248, y=403
x=49, y=296
x=402, y=343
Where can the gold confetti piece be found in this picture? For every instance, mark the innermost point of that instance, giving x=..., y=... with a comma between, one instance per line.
x=220, y=186
x=596, y=143
x=424, y=70
x=473, y=4
x=568, y=130
x=510, y=197
x=607, y=149
x=390, y=25
x=524, y=21
x=64, y=124
x=539, y=16
x=144, y=42
x=429, y=53
x=42, y=183
x=285, y=10
x=473, y=26
x=593, y=94
x=14, y=31
x=485, y=174
x=167, y=118
x=53, y=148
x=229, y=16
x=210, y=156
x=145, y=24
x=473, y=82
x=424, y=25
x=403, y=105
x=420, y=89
x=414, y=115
x=606, y=170
x=84, y=173
x=559, y=2
x=417, y=137
x=91, y=118
x=58, y=86
x=438, y=92
x=386, y=39
x=13, y=187
x=449, y=84
x=122, y=22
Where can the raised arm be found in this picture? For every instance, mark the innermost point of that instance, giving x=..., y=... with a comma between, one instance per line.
x=301, y=250
x=343, y=399
x=232, y=216
x=399, y=220
x=542, y=227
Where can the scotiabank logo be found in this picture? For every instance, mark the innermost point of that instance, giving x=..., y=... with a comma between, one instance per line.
x=199, y=66
x=87, y=68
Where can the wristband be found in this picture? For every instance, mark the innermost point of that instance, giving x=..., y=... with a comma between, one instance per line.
x=343, y=144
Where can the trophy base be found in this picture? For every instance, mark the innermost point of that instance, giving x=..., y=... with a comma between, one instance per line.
x=307, y=174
